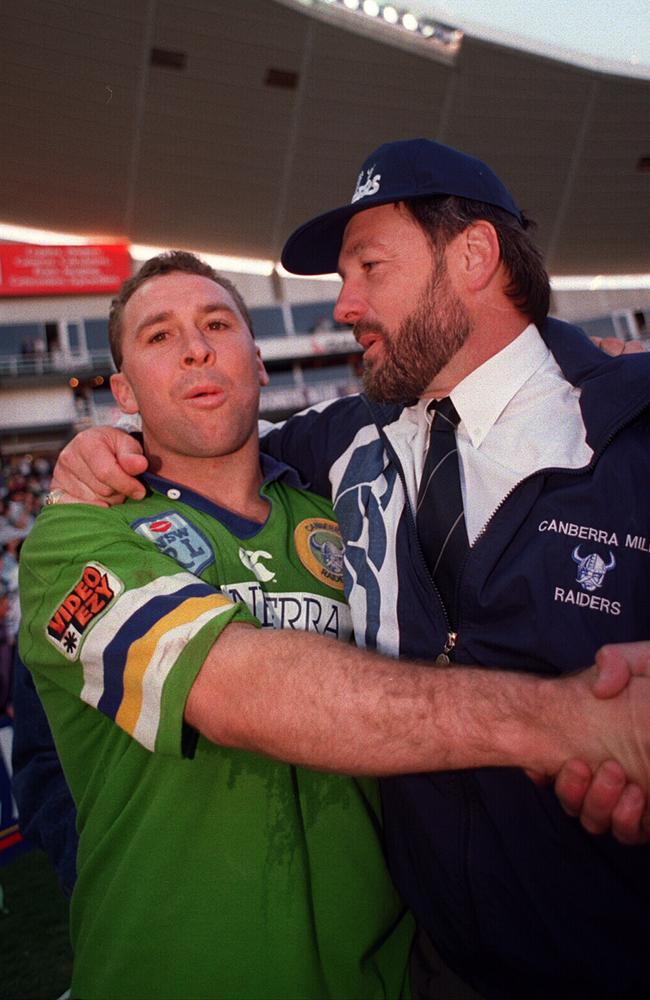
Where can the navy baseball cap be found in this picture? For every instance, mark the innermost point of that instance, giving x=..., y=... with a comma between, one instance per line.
x=410, y=168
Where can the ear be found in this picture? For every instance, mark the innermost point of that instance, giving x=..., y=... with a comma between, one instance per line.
x=477, y=255
x=123, y=393
x=262, y=373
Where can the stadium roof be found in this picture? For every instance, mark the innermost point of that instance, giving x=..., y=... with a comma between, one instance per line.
x=222, y=126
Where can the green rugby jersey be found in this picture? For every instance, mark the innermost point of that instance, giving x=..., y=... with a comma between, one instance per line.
x=202, y=871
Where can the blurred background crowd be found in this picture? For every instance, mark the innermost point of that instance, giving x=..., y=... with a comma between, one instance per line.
x=24, y=483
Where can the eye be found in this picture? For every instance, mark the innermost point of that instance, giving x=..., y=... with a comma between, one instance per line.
x=217, y=324
x=368, y=265
x=157, y=337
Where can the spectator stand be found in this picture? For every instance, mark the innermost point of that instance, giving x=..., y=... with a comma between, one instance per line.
x=24, y=482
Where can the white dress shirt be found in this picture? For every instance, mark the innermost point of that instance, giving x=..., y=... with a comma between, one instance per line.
x=518, y=414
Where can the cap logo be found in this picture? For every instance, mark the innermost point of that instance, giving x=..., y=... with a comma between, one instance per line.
x=369, y=186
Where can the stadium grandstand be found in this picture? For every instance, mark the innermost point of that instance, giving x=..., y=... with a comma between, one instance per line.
x=219, y=127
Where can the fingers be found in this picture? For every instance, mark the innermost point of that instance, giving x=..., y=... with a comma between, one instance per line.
x=604, y=803
x=610, y=345
x=616, y=664
x=537, y=777
x=130, y=462
x=614, y=346
x=602, y=797
x=572, y=785
x=134, y=463
x=633, y=347
x=635, y=654
x=631, y=818
x=612, y=672
x=93, y=490
x=98, y=467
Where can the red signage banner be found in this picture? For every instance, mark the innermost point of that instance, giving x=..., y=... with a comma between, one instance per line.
x=27, y=269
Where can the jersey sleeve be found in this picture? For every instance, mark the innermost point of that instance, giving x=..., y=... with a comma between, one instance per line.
x=113, y=622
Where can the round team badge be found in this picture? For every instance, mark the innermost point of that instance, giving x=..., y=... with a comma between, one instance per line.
x=320, y=549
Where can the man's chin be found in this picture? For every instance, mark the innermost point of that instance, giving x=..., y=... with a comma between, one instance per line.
x=379, y=391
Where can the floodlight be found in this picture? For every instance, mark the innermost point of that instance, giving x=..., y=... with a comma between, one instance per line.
x=371, y=8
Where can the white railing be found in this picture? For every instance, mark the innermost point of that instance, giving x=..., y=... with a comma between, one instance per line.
x=273, y=349
x=19, y=365
x=297, y=397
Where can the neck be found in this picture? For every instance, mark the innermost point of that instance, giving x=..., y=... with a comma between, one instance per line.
x=230, y=481
x=486, y=338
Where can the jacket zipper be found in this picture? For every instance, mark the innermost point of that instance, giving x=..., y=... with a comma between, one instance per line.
x=452, y=636
x=551, y=470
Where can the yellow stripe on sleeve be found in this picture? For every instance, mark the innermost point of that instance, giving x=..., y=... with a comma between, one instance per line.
x=142, y=651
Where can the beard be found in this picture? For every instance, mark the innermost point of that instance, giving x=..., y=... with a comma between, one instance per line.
x=420, y=348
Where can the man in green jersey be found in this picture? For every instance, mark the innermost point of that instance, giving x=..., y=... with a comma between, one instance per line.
x=153, y=631
x=203, y=871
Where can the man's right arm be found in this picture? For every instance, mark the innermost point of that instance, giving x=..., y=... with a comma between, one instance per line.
x=313, y=701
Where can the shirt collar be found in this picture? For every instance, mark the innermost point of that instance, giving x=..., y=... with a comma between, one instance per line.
x=272, y=471
x=483, y=395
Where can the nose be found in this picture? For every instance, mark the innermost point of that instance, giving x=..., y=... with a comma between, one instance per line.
x=197, y=350
x=350, y=307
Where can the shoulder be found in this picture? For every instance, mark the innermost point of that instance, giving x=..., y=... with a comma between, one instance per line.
x=337, y=415
x=69, y=534
x=582, y=362
x=572, y=345
x=326, y=430
x=80, y=520
x=68, y=523
x=307, y=504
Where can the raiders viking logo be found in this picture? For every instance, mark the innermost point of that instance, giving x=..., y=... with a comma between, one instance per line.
x=320, y=549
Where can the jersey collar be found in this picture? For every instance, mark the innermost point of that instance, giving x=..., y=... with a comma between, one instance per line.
x=272, y=471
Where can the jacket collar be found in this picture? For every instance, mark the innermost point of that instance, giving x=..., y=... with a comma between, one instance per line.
x=613, y=390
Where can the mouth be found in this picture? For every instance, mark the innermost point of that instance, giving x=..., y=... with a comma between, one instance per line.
x=205, y=396
x=368, y=340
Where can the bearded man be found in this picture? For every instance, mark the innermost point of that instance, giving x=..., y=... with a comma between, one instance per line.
x=515, y=535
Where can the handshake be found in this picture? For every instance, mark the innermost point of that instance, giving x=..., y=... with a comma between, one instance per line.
x=612, y=794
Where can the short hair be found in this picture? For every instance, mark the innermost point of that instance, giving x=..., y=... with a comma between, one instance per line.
x=444, y=217
x=165, y=263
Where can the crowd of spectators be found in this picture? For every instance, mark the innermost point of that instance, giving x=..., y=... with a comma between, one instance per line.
x=24, y=483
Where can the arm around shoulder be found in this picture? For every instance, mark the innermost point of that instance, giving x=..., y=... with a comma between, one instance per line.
x=99, y=467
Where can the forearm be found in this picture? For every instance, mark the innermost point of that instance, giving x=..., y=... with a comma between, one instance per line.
x=315, y=702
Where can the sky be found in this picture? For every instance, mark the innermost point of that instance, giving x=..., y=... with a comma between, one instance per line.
x=605, y=34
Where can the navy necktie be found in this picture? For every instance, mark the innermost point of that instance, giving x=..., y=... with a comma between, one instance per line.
x=440, y=515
